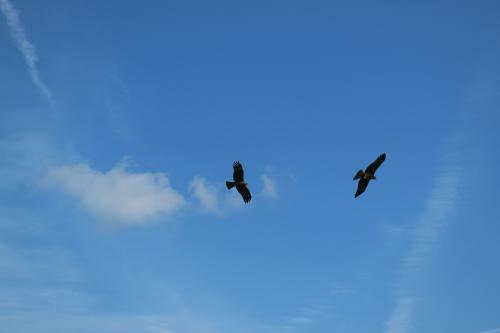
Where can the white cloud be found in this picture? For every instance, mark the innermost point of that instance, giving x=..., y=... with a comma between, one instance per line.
x=269, y=189
x=215, y=199
x=24, y=45
x=205, y=193
x=118, y=194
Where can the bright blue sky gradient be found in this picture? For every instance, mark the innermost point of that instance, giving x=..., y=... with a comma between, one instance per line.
x=116, y=142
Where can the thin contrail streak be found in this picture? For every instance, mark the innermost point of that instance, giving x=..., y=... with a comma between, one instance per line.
x=26, y=48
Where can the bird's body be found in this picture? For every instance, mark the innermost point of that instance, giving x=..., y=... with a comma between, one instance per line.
x=239, y=182
x=367, y=175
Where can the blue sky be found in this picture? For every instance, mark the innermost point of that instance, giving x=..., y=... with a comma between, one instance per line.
x=119, y=123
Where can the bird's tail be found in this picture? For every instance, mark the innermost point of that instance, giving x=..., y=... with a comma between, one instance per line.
x=230, y=185
x=360, y=174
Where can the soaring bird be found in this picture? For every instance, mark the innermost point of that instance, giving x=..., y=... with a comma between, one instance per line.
x=239, y=182
x=369, y=173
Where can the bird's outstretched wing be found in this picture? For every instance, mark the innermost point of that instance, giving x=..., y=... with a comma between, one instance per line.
x=238, y=172
x=362, y=184
x=374, y=166
x=245, y=192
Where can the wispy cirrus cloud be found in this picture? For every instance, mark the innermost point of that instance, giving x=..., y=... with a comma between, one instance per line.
x=269, y=190
x=441, y=202
x=401, y=315
x=41, y=291
x=26, y=48
x=117, y=194
x=495, y=330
